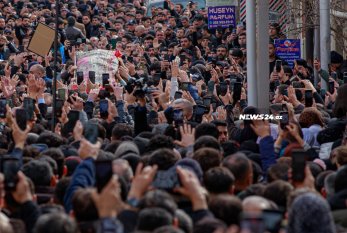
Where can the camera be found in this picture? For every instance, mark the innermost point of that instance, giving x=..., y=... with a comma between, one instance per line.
x=139, y=87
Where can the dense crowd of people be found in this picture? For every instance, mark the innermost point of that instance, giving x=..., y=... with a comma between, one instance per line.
x=159, y=146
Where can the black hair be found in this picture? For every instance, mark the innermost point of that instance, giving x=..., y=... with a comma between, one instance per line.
x=341, y=179
x=206, y=141
x=315, y=168
x=208, y=225
x=226, y=208
x=238, y=164
x=219, y=123
x=120, y=130
x=83, y=206
x=50, y=139
x=219, y=180
x=112, y=146
x=229, y=148
x=39, y=172
x=160, y=142
x=164, y=158
x=60, y=190
x=185, y=223
x=278, y=191
x=207, y=158
x=51, y=162
x=150, y=219
x=278, y=171
x=168, y=229
x=58, y=156
x=319, y=182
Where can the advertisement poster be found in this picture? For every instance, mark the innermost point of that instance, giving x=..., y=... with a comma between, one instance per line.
x=221, y=16
x=288, y=50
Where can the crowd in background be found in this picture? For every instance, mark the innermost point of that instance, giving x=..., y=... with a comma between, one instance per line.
x=159, y=146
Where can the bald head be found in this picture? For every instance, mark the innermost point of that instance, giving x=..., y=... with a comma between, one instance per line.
x=38, y=71
x=139, y=30
x=255, y=204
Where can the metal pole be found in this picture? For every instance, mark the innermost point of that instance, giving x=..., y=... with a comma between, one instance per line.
x=263, y=80
x=316, y=53
x=324, y=8
x=251, y=53
x=54, y=84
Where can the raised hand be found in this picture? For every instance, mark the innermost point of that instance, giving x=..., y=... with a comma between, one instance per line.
x=192, y=189
x=78, y=131
x=187, y=136
x=261, y=128
x=222, y=113
x=227, y=99
x=88, y=150
x=109, y=201
x=7, y=70
x=156, y=43
x=142, y=180
x=174, y=68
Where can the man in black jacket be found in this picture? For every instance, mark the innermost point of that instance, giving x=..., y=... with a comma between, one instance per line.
x=73, y=33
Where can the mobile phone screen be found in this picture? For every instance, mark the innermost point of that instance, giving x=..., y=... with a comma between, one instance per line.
x=80, y=77
x=185, y=86
x=3, y=110
x=29, y=107
x=103, y=108
x=21, y=118
x=103, y=173
x=178, y=95
x=298, y=165
x=308, y=98
x=199, y=111
x=284, y=121
x=10, y=168
x=334, y=75
x=92, y=76
x=156, y=79
x=91, y=132
x=278, y=66
x=252, y=224
x=223, y=88
x=62, y=94
x=59, y=107
x=237, y=91
x=166, y=180
x=130, y=59
x=73, y=117
x=178, y=117
x=272, y=220
x=113, y=42
x=331, y=87
x=105, y=78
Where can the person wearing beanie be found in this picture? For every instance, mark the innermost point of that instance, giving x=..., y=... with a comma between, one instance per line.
x=303, y=208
